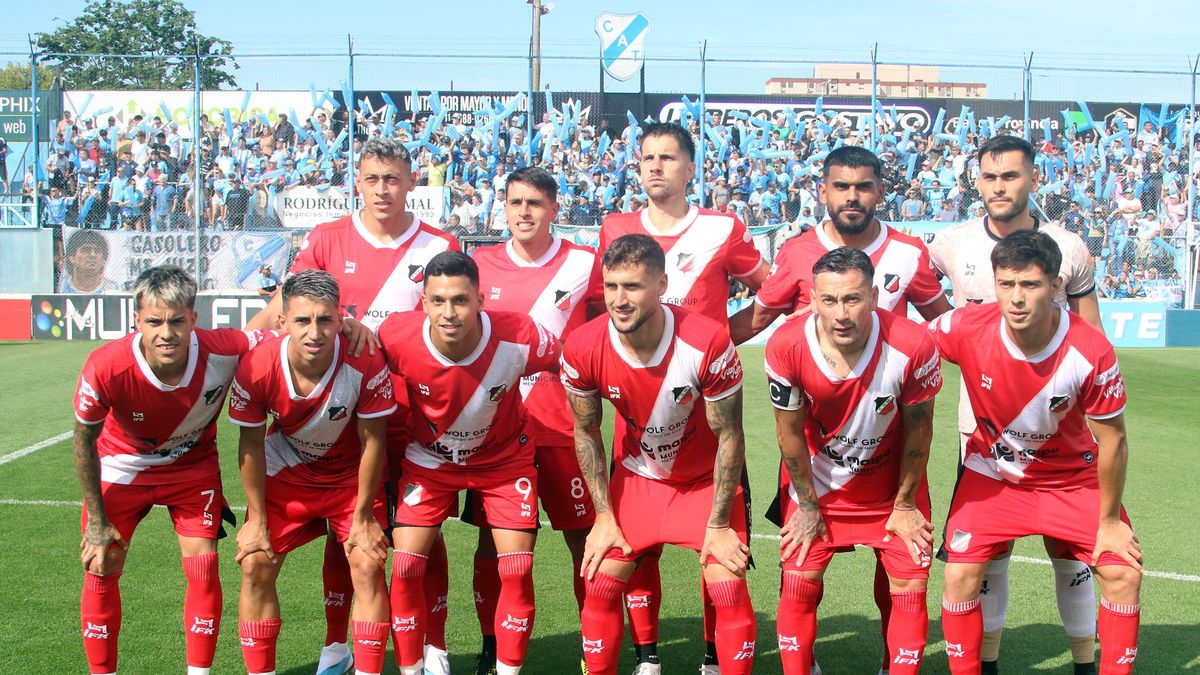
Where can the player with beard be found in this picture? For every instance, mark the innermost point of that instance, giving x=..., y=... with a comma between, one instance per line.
x=703, y=249
x=851, y=188
x=1006, y=180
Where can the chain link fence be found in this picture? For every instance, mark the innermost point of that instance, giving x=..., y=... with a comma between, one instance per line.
x=225, y=182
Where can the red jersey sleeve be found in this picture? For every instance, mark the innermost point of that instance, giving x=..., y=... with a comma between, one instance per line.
x=544, y=348
x=91, y=399
x=1103, y=396
x=376, y=398
x=924, y=377
x=722, y=369
x=742, y=257
x=783, y=372
x=924, y=287
x=577, y=378
x=246, y=401
x=779, y=289
x=945, y=337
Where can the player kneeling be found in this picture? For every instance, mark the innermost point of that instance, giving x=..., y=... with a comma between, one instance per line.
x=1048, y=453
x=314, y=465
x=853, y=392
x=462, y=368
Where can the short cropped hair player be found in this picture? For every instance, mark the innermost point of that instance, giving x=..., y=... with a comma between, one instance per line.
x=145, y=435
x=853, y=388
x=462, y=367
x=1048, y=454
x=321, y=461
x=675, y=381
x=544, y=276
x=1007, y=178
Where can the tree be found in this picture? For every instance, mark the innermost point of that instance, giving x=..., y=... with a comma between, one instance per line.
x=163, y=28
x=16, y=76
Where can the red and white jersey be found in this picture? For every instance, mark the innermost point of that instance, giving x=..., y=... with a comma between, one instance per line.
x=552, y=290
x=703, y=251
x=375, y=278
x=468, y=415
x=964, y=254
x=312, y=440
x=853, y=426
x=661, y=430
x=157, y=433
x=1030, y=411
x=903, y=272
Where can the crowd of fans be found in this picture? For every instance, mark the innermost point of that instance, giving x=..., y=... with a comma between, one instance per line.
x=139, y=175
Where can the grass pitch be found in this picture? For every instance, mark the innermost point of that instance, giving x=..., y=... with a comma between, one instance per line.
x=39, y=514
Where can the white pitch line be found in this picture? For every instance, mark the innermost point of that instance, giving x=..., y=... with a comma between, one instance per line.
x=1173, y=576
x=35, y=447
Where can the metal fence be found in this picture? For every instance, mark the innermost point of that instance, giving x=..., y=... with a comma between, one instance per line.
x=211, y=188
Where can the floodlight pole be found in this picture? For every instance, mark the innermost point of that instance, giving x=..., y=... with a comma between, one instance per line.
x=700, y=149
x=198, y=181
x=351, y=198
x=37, y=161
x=874, y=96
x=1026, y=92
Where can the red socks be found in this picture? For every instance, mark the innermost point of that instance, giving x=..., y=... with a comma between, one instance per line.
x=258, y=644
x=962, y=625
x=515, y=610
x=796, y=623
x=1118, y=628
x=370, y=645
x=735, y=626
x=437, y=590
x=710, y=613
x=339, y=591
x=486, y=583
x=201, y=608
x=100, y=617
x=643, y=597
x=907, y=632
x=408, y=607
x=601, y=624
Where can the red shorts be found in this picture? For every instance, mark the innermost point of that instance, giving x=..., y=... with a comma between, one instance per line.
x=651, y=513
x=296, y=513
x=846, y=531
x=561, y=487
x=986, y=514
x=195, y=506
x=426, y=497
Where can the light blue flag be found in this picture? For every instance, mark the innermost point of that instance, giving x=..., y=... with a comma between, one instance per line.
x=228, y=124
x=739, y=115
x=819, y=107
x=1070, y=148
x=167, y=117
x=1110, y=188
x=1087, y=115
x=337, y=143
x=512, y=106
x=347, y=95
x=912, y=165
x=1052, y=187
x=945, y=137
x=389, y=115
x=1068, y=123
x=83, y=108
x=435, y=102
x=632, y=120
x=312, y=92
x=387, y=100
x=102, y=111
x=319, y=135
x=1046, y=129
x=1087, y=154
x=549, y=103
x=1099, y=182
x=245, y=104
x=939, y=122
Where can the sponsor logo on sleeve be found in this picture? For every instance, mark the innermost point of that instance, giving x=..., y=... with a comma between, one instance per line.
x=566, y=368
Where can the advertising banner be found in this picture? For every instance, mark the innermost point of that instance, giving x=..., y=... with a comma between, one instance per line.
x=305, y=206
x=108, y=317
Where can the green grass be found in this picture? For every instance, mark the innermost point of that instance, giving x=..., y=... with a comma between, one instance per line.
x=39, y=613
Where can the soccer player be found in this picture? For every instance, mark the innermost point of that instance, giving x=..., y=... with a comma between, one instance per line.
x=462, y=367
x=851, y=188
x=378, y=256
x=703, y=249
x=546, y=277
x=145, y=434
x=322, y=460
x=1006, y=180
x=1048, y=453
x=853, y=390
x=675, y=381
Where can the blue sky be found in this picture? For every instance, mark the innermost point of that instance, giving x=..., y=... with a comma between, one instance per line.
x=1156, y=35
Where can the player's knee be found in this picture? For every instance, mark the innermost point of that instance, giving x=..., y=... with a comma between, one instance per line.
x=258, y=570
x=963, y=582
x=366, y=571
x=1119, y=583
x=897, y=585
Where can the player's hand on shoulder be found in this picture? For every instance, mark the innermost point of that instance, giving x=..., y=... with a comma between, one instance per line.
x=368, y=537
x=605, y=536
x=1115, y=536
x=724, y=544
x=359, y=336
x=253, y=537
x=915, y=531
x=804, y=527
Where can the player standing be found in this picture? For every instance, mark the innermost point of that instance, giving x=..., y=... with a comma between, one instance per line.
x=321, y=461
x=703, y=248
x=145, y=435
x=378, y=256
x=546, y=277
x=462, y=367
x=853, y=392
x=1048, y=453
x=678, y=461
x=1006, y=180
